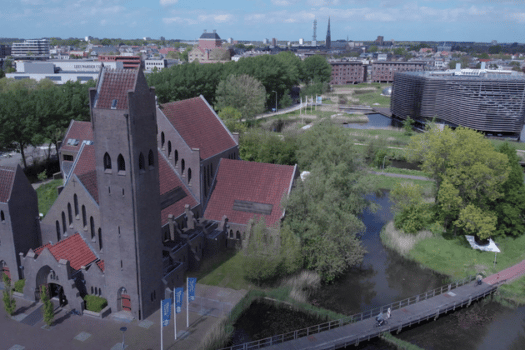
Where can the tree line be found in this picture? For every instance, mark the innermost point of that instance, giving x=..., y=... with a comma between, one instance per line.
x=277, y=74
x=32, y=113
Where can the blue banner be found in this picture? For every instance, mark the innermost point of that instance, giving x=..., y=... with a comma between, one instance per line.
x=166, y=312
x=179, y=295
x=191, y=288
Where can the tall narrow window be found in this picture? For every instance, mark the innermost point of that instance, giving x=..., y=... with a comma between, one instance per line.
x=100, y=238
x=142, y=164
x=169, y=149
x=2, y=216
x=176, y=157
x=162, y=140
x=84, y=216
x=121, y=164
x=92, y=227
x=57, y=224
x=69, y=214
x=64, y=227
x=107, y=161
x=151, y=159
x=189, y=175
x=182, y=166
x=75, y=203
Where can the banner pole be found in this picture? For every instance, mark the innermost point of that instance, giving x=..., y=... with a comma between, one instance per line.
x=161, y=327
x=187, y=303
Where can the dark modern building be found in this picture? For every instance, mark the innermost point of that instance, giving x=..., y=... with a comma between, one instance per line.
x=477, y=99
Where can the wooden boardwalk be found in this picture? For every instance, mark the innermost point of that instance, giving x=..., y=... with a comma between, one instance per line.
x=361, y=327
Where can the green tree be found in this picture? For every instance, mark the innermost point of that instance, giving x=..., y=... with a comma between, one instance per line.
x=317, y=70
x=407, y=125
x=232, y=118
x=267, y=147
x=372, y=48
x=49, y=311
x=9, y=300
x=510, y=207
x=242, y=92
x=476, y=221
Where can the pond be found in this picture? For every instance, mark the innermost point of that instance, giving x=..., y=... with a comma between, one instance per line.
x=375, y=121
x=385, y=277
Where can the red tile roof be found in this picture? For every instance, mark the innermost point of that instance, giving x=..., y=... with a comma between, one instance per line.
x=89, y=180
x=82, y=131
x=85, y=170
x=168, y=181
x=73, y=249
x=100, y=264
x=199, y=126
x=248, y=181
x=7, y=179
x=114, y=84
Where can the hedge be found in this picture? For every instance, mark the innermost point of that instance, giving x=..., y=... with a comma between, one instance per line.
x=95, y=303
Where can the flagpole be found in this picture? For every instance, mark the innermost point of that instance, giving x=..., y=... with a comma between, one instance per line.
x=187, y=304
x=161, y=326
x=174, y=314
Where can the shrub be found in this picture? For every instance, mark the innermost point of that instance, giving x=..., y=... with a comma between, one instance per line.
x=95, y=303
x=19, y=285
x=415, y=218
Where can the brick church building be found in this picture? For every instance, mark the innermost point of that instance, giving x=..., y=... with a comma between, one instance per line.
x=149, y=191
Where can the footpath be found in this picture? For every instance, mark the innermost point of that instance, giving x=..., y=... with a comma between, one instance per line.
x=507, y=275
x=25, y=330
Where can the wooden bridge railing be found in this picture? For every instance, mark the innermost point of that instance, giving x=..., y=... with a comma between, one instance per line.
x=304, y=332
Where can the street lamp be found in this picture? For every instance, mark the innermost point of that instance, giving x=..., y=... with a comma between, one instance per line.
x=123, y=330
x=275, y=100
x=384, y=163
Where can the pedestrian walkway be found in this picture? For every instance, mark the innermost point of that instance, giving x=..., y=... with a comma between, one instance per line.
x=507, y=275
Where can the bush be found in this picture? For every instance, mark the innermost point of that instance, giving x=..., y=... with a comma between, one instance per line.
x=95, y=303
x=19, y=285
x=415, y=218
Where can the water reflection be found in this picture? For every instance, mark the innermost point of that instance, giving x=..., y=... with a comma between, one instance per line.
x=375, y=121
x=384, y=276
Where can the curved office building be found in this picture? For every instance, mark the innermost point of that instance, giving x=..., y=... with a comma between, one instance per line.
x=491, y=102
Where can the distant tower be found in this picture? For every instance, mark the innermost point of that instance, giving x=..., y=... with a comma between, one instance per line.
x=328, y=37
x=314, y=37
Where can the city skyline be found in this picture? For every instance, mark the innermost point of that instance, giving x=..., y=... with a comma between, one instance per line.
x=287, y=20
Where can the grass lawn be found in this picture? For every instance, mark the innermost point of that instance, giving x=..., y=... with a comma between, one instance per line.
x=47, y=194
x=371, y=98
x=224, y=270
x=455, y=257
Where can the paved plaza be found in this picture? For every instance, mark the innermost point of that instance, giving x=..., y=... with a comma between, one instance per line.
x=25, y=330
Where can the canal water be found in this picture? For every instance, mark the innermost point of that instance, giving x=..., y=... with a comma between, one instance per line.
x=385, y=277
x=375, y=121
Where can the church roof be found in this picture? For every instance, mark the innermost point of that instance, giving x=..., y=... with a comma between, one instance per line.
x=85, y=170
x=77, y=132
x=114, y=84
x=73, y=249
x=208, y=36
x=199, y=126
x=7, y=179
x=244, y=189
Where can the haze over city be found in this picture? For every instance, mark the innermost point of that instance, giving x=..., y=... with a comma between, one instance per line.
x=464, y=20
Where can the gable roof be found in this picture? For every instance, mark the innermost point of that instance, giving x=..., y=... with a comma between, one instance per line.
x=80, y=131
x=199, y=126
x=114, y=84
x=73, y=249
x=244, y=189
x=86, y=172
x=7, y=179
x=169, y=183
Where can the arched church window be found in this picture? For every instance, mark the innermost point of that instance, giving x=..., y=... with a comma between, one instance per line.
x=151, y=159
x=100, y=238
x=189, y=175
x=176, y=157
x=107, y=161
x=142, y=164
x=75, y=203
x=84, y=216
x=69, y=214
x=92, y=227
x=169, y=149
x=121, y=164
x=182, y=166
x=64, y=227
x=57, y=224
x=2, y=216
x=162, y=140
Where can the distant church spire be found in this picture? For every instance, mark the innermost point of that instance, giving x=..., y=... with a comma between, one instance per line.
x=328, y=36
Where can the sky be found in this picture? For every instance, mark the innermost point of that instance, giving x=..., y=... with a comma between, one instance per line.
x=288, y=20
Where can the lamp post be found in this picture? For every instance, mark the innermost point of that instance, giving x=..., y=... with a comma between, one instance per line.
x=123, y=330
x=275, y=100
x=384, y=163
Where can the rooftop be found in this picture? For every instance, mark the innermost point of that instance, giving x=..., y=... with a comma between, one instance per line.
x=7, y=179
x=113, y=87
x=73, y=249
